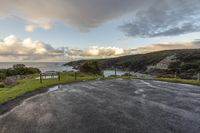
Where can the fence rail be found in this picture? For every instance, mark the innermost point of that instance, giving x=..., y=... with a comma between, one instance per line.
x=115, y=74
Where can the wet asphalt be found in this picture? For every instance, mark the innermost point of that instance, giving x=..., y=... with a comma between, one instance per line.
x=108, y=106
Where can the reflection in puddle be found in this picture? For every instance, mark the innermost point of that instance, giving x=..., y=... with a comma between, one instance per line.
x=54, y=88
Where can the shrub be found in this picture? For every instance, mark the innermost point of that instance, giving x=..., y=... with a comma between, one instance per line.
x=90, y=67
x=127, y=74
x=31, y=70
x=21, y=69
x=2, y=85
x=166, y=76
x=2, y=76
x=186, y=75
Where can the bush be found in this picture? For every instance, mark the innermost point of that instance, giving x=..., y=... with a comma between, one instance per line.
x=127, y=74
x=166, y=76
x=2, y=75
x=2, y=85
x=90, y=67
x=31, y=70
x=21, y=69
x=186, y=75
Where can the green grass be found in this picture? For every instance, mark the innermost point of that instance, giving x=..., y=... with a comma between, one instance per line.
x=174, y=80
x=31, y=84
x=184, y=81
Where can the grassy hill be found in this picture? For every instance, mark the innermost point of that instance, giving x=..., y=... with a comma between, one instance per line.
x=187, y=62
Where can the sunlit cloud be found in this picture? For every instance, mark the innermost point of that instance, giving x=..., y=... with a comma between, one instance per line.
x=32, y=27
x=15, y=49
x=107, y=52
x=167, y=46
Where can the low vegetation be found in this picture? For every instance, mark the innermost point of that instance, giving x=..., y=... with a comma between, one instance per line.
x=178, y=80
x=88, y=71
x=18, y=69
x=30, y=83
x=186, y=66
x=90, y=67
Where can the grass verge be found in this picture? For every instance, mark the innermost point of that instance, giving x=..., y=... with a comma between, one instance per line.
x=173, y=80
x=184, y=81
x=31, y=84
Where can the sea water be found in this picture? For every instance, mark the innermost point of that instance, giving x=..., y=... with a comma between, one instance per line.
x=43, y=66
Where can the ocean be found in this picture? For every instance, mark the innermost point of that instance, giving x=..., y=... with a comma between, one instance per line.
x=43, y=66
x=58, y=67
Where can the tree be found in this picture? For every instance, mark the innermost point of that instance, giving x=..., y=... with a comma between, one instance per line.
x=90, y=67
x=21, y=69
x=19, y=66
x=2, y=76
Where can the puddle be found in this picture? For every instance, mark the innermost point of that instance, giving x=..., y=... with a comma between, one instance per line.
x=139, y=91
x=54, y=88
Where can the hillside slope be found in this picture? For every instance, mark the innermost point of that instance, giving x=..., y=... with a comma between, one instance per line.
x=185, y=62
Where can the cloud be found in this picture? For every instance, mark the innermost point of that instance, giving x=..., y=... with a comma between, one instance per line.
x=14, y=49
x=97, y=52
x=165, y=18
x=105, y=52
x=84, y=14
x=33, y=26
x=167, y=46
x=149, y=18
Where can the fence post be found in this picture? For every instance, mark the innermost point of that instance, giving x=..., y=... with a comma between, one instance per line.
x=59, y=76
x=40, y=78
x=198, y=76
x=75, y=75
x=175, y=75
x=103, y=75
x=115, y=72
x=129, y=74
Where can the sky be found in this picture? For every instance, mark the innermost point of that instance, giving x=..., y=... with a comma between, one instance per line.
x=65, y=30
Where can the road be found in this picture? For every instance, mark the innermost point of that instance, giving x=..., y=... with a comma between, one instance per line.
x=108, y=106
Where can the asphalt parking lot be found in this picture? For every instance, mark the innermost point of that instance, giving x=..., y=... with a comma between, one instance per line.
x=108, y=106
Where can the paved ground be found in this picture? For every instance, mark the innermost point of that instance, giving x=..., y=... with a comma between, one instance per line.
x=110, y=106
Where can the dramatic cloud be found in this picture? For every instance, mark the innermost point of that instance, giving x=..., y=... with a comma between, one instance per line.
x=84, y=14
x=165, y=18
x=14, y=49
x=150, y=18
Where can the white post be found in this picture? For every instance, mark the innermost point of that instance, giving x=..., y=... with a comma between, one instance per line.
x=198, y=76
